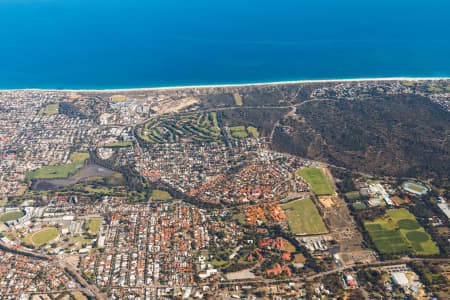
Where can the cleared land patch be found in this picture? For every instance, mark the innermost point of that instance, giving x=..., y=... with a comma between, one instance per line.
x=11, y=216
x=399, y=232
x=237, y=99
x=318, y=182
x=303, y=217
x=159, y=195
x=119, y=98
x=60, y=171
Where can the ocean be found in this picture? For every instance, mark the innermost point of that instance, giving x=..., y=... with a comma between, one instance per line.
x=99, y=44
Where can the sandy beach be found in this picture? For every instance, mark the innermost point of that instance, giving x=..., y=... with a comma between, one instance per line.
x=240, y=84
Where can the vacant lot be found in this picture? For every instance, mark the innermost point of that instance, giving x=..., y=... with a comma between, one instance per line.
x=159, y=195
x=303, y=217
x=317, y=181
x=45, y=236
x=119, y=98
x=11, y=216
x=399, y=232
x=60, y=171
x=237, y=99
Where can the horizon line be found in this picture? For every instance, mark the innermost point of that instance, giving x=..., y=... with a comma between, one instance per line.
x=231, y=85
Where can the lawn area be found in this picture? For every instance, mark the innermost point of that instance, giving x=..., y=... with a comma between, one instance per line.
x=288, y=247
x=45, y=236
x=51, y=109
x=239, y=132
x=359, y=205
x=92, y=225
x=237, y=128
x=399, y=232
x=60, y=171
x=253, y=131
x=97, y=189
x=237, y=99
x=159, y=195
x=11, y=216
x=434, y=89
x=353, y=195
x=79, y=156
x=398, y=199
x=303, y=217
x=118, y=145
x=318, y=182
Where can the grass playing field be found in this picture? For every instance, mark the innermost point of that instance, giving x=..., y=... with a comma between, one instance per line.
x=253, y=131
x=51, y=109
x=434, y=90
x=415, y=188
x=118, y=145
x=399, y=232
x=60, y=171
x=359, y=205
x=159, y=195
x=11, y=216
x=92, y=225
x=241, y=132
x=303, y=217
x=353, y=195
x=45, y=236
x=318, y=182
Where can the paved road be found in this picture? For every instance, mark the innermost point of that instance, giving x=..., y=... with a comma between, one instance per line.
x=337, y=270
x=91, y=289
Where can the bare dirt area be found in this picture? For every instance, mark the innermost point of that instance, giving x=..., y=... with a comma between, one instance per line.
x=328, y=201
x=174, y=106
x=340, y=223
x=329, y=177
x=363, y=256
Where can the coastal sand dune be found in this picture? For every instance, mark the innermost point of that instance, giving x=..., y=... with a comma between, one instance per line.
x=412, y=79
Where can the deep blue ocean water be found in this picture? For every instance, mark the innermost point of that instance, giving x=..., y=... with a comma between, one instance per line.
x=148, y=43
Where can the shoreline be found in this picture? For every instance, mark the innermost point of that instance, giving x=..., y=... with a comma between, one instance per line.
x=234, y=85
